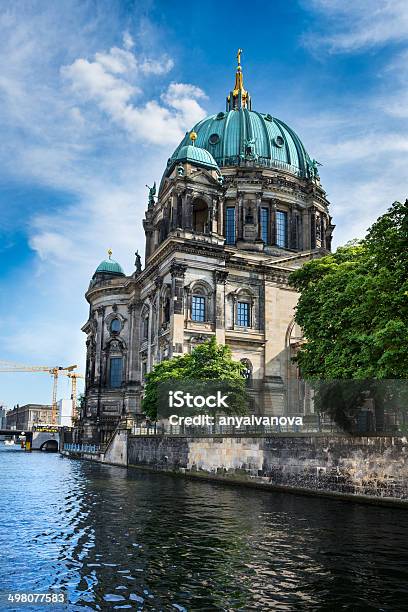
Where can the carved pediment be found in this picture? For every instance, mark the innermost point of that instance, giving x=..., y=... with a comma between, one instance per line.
x=204, y=177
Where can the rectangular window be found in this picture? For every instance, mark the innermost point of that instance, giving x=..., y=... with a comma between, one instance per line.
x=265, y=225
x=243, y=314
x=282, y=229
x=230, y=225
x=115, y=372
x=198, y=308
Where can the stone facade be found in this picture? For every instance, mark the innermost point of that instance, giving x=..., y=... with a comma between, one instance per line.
x=221, y=240
x=27, y=416
x=368, y=467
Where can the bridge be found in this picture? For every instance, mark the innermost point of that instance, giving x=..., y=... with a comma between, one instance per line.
x=43, y=439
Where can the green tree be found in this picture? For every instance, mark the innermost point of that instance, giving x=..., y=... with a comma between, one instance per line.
x=353, y=307
x=209, y=362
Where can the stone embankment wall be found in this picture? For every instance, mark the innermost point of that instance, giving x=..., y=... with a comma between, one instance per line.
x=368, y=468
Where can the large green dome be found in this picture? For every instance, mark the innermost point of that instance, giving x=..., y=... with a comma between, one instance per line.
x=242, y=136
x=238, y=136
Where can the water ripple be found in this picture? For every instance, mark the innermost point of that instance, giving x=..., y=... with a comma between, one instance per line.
x=117, y=539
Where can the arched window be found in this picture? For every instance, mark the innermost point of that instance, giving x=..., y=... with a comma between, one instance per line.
x=200, y=216
x=115, y=326
x=114, y=363
x=201, y=307
x=243, y=308
x=115, y=372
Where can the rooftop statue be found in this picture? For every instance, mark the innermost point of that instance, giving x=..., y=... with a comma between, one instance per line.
x=152, y=193
x=138, y=263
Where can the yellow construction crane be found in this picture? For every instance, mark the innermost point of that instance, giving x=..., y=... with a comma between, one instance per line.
x=7, y=366
x=74, y=377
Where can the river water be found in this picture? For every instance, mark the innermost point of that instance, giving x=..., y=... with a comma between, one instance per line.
x=112, y=538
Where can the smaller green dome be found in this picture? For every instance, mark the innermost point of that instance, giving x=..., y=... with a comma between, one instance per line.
x=110, y=266
x=195, y=155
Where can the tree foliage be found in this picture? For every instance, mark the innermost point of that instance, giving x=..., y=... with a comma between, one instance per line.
x=208, y=361
x=353, y=306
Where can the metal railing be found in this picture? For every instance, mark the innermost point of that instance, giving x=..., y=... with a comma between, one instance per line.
x=315, y=425
x=147, y=431
x=82, y=448
x=265, y=162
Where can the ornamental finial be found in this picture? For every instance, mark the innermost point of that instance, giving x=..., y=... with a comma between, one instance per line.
x=239, y=97
x=110, y=253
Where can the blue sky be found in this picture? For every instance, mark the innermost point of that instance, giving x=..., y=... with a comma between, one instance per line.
x=95, y=95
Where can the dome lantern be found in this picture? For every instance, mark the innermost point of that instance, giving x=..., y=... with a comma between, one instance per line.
x=238, y=98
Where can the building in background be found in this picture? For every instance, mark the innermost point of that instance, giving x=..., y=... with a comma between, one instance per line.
x=25, y=417
x=65, y=413
x=239, y=207
x=3, y=419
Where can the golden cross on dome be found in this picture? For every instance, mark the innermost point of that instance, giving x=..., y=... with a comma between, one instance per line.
x=238, y=98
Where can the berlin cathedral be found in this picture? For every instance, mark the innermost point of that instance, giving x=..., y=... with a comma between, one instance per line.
x=239, y=206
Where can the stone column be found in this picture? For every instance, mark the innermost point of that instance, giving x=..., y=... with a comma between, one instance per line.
x=188, y=210
x=99, y=344
x=149, y=241
x=273, y=222
x=99, y=355
x=177, y=271
x=312, y=232
x=149, y=336
x=221, y=212
x=179, y=210
x=258, y=216
x=240, y=216
x=158, y=282
x=300, y=230
x=187, y=304
x=220, y=279
x=173, y=212
x=134, y=340
x=214, y=217
x=292, y=238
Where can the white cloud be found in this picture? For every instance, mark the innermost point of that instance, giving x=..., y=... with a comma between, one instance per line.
x=59, y=133
x=118, y=61
x=362, y=139
x=128, y=41
x=109, y=81
x=151, y=66
x=358, y=24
